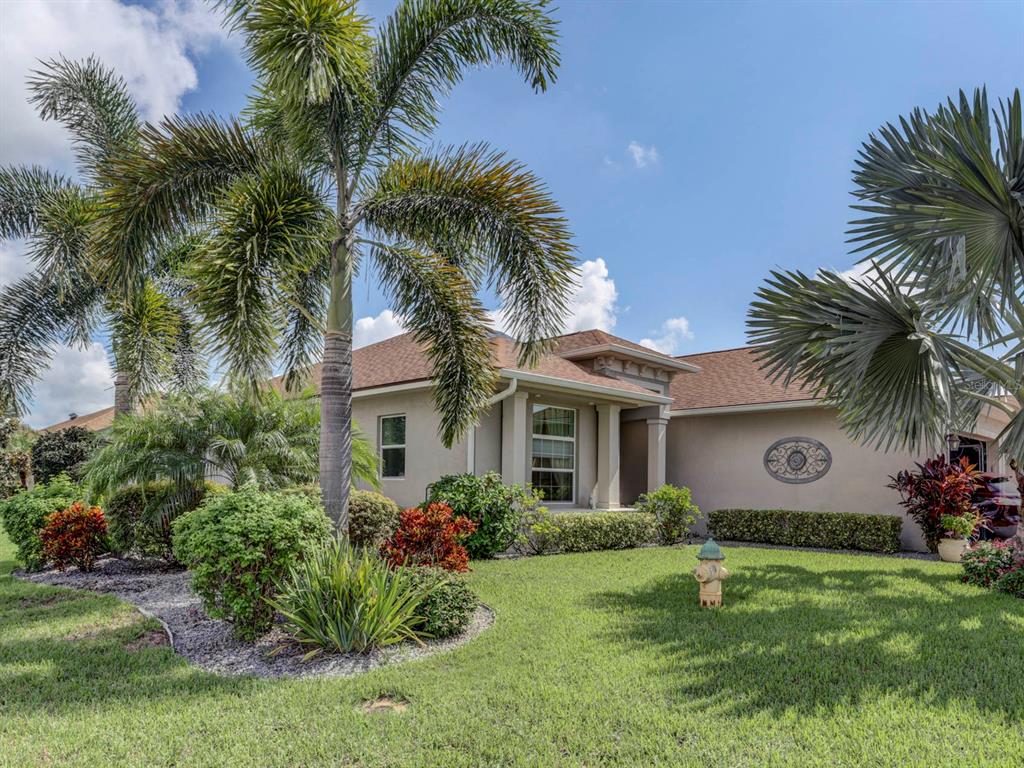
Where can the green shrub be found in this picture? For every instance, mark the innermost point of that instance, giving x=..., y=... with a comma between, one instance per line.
x=538, y=533
x=238, y=543
x=1011, y=582
x=341, y=599
x=673, y=509
x=62, y=452
x=372, y=518
x=24, y=516
x=497, y=509
x=588, y=531
x=139, y=517
x=828, y=530
x=448, y=603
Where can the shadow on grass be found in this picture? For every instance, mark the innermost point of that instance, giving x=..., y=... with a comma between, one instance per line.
x=793, y=638
x=62, y=650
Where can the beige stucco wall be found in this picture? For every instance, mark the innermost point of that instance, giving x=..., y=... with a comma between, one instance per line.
x=721, y=459
x=426, y=459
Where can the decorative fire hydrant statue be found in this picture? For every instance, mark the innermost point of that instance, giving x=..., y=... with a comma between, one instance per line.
x=710, y=574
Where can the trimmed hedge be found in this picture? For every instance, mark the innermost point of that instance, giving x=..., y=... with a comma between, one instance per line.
x=828, y=530
x=590, y=531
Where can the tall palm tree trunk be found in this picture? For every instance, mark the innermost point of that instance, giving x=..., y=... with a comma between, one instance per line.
x=122, y=394
x=336, y=392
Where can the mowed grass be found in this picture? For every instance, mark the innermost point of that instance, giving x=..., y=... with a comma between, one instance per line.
x=598, y=659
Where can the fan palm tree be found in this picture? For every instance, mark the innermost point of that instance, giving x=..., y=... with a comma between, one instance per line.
x=934, y=330
x=235, y=438
x=62, y=299
x=327, y=176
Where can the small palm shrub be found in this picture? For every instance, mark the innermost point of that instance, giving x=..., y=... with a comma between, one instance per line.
x=448, y=603
x=62, y=452
x=430, y=536
x=74, y=536
x=673, y=509
x=238, y=544
x=497, y=509
x=343, y=599
x=24, y=516
x=372, y=518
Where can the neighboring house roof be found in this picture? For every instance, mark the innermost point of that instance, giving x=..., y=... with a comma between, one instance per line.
x=96, y=421
x=731, y=378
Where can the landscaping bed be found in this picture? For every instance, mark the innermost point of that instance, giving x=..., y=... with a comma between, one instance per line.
x=163, y=592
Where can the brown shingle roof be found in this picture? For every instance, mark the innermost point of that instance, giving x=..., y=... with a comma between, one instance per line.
x=728, y=378
x=95, y=421
x=595, y=337
x=400, y=360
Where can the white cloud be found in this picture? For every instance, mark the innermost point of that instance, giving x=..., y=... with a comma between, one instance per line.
x=593, y=304
x=13, y=261
x=673, y=332
x=370, y=330
x=643, y=156
x=148, y=46
x=79, y=380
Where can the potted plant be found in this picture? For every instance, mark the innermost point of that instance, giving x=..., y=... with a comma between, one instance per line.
x=957, y=530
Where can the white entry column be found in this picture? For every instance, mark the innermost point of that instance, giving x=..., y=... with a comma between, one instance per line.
x=514, y=445
x=607, y=496
x=657, y=437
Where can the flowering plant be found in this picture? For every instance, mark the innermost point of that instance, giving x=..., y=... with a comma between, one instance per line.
x=431, y=535
x=74, y=536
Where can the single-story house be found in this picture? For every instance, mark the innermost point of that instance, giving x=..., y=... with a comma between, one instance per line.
x=600, y=420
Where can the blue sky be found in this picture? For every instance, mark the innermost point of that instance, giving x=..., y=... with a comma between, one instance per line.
x=755, y=111
x=694, y=146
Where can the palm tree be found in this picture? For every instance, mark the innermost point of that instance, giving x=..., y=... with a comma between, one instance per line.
x=934, y=331
x=234, y=438
x=328, y=176
x=62, y=300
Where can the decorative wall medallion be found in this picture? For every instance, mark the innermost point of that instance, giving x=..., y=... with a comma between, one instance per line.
x=797, y=460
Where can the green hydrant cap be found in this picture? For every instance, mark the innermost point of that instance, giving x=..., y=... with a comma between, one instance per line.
x=710, y=551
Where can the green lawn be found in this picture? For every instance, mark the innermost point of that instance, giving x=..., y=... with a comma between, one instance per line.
x=596, y=659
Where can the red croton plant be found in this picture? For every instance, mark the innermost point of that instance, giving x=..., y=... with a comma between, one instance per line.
x=430, y=536
x=937, y=488
x=74, y=536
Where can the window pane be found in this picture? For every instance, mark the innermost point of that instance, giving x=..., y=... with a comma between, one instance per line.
x=559, y=422
x=392, y=462
x=555, y=486
x=392, y=430
x=553, y=454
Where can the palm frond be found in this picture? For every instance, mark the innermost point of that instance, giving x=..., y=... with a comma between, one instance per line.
x=494, y=212
x=442, y=311
x=92, y=102
x=145, y=331
x=943, y=210
x=34, y=319
x=860, y=345
x=24, y=191
x=59, y=245
x=305, y=305
x=426, y=45
x=158, y=190
x=304, y=48
x=271, y=227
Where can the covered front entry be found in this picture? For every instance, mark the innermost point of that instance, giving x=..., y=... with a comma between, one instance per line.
x=644, y=443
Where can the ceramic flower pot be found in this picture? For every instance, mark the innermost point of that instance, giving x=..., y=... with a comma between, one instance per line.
x=952, y=550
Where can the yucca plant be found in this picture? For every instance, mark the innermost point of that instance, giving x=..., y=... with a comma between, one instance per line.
x=934, y=330
x=342, y=599
x=327, y=175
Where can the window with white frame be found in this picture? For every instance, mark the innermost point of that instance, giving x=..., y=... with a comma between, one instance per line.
x=392, y=446
x=554, y=452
